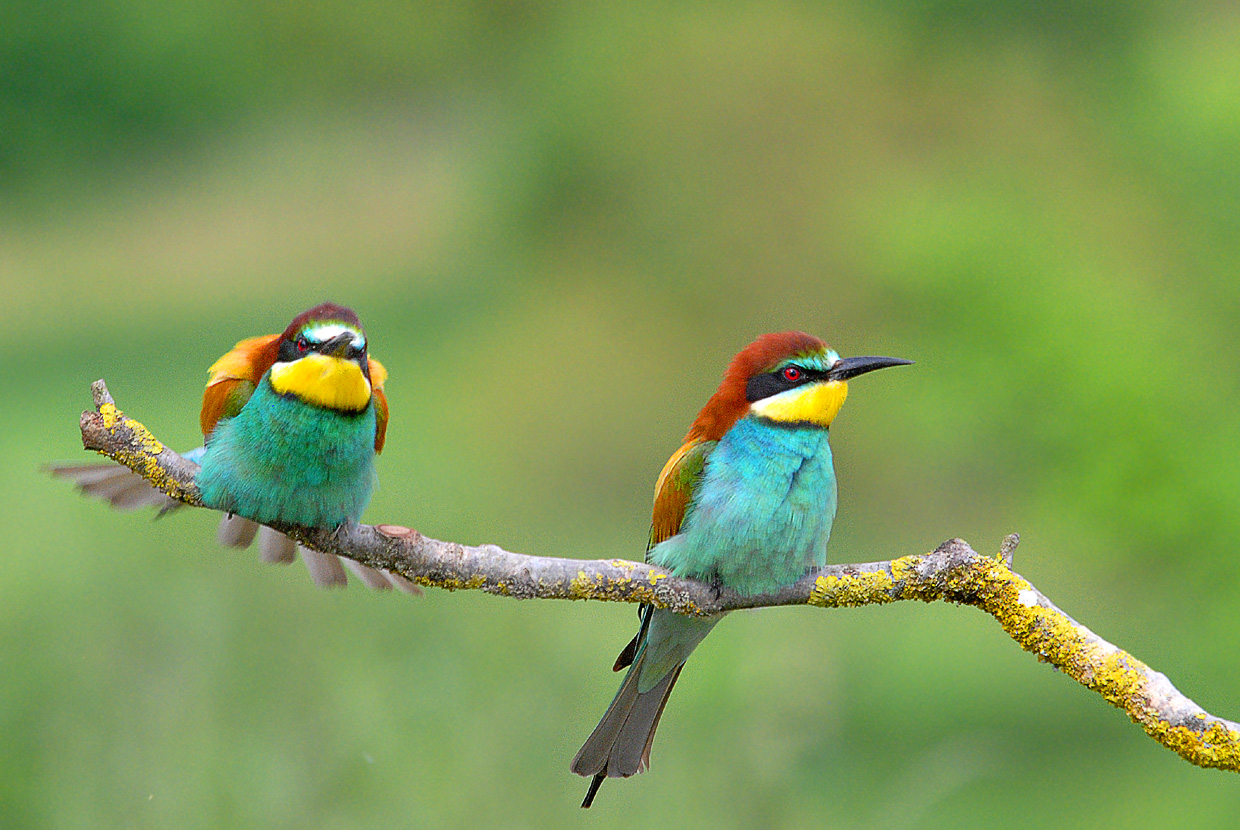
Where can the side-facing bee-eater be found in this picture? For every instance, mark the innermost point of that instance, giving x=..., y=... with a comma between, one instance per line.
x=747, y=504
x=291, y=423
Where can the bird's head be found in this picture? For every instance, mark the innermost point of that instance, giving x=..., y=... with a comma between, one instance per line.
x=322, y=359
x=788, y=378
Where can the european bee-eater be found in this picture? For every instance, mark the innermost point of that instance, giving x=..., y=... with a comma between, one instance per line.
x=291, y=423
x=746, y=503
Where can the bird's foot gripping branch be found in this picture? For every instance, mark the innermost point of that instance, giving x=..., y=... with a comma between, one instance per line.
x=954, y=572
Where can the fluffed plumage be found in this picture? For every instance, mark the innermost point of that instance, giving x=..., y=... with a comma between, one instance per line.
x=293, y=455
x=746, y=503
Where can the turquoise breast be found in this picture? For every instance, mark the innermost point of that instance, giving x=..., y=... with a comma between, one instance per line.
x=761, y=514
x=283, y=460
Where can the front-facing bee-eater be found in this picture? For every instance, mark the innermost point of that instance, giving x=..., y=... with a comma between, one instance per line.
x=747, y=504
x=291, y=423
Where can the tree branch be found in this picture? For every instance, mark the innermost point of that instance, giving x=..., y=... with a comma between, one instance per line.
x=953, y=572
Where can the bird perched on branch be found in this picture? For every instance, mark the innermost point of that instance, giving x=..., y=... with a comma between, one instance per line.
x=746, y=504
x=292, y=423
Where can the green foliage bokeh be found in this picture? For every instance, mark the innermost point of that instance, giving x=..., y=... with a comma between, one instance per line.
x=558, y=221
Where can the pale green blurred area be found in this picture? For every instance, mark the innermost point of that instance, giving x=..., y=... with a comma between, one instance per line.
x=558, y=222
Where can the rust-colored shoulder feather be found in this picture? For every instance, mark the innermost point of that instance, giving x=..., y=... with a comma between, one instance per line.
x=674, y=489
x=234, y=376
x=377, y=377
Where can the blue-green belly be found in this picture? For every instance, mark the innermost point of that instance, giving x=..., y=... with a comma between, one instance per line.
x=759, y=518
x=283, y=460
x=762, y=513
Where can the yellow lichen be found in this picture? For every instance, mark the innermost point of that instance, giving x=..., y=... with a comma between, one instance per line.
x=453, y=584
x=1121, y=679
x=1117, y=676
x=582, y=587
x=110, y=415
x=599, y=587
x=851, y=590
x=905, y=568
x=1216, y=747
x=624, y=589
x=144, y=459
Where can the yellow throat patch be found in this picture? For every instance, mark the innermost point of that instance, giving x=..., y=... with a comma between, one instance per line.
x=816, y=403
x=322, y=380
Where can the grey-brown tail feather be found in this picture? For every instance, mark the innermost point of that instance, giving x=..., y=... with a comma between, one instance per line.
x=620, y=745
x=126, y=490
x=117, y=485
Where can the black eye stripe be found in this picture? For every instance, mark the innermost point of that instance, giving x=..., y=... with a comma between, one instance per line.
x=289, y=351
x=766, y=384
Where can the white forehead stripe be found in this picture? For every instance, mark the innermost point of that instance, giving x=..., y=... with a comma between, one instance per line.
x=326, y=331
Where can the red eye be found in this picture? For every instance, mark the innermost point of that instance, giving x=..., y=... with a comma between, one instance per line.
x=302, y=345
x=791, y=374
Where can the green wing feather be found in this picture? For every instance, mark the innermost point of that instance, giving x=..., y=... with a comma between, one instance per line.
x=674, y=489
x=672, y=494
x=237, y=397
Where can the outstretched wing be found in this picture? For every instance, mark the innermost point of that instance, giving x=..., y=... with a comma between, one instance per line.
x=377, y=377
x=234, y=377
x=674, y=489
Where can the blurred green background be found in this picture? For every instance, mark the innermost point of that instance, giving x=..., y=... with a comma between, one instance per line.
x=558, y=221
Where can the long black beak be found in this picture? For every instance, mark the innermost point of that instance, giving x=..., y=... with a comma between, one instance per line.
x=338, y=346
x=850, y=367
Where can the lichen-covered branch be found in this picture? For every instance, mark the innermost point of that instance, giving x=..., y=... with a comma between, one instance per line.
x=953, y=572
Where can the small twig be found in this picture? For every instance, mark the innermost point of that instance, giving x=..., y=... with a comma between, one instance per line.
x=953, y=572
x=1008, y=547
